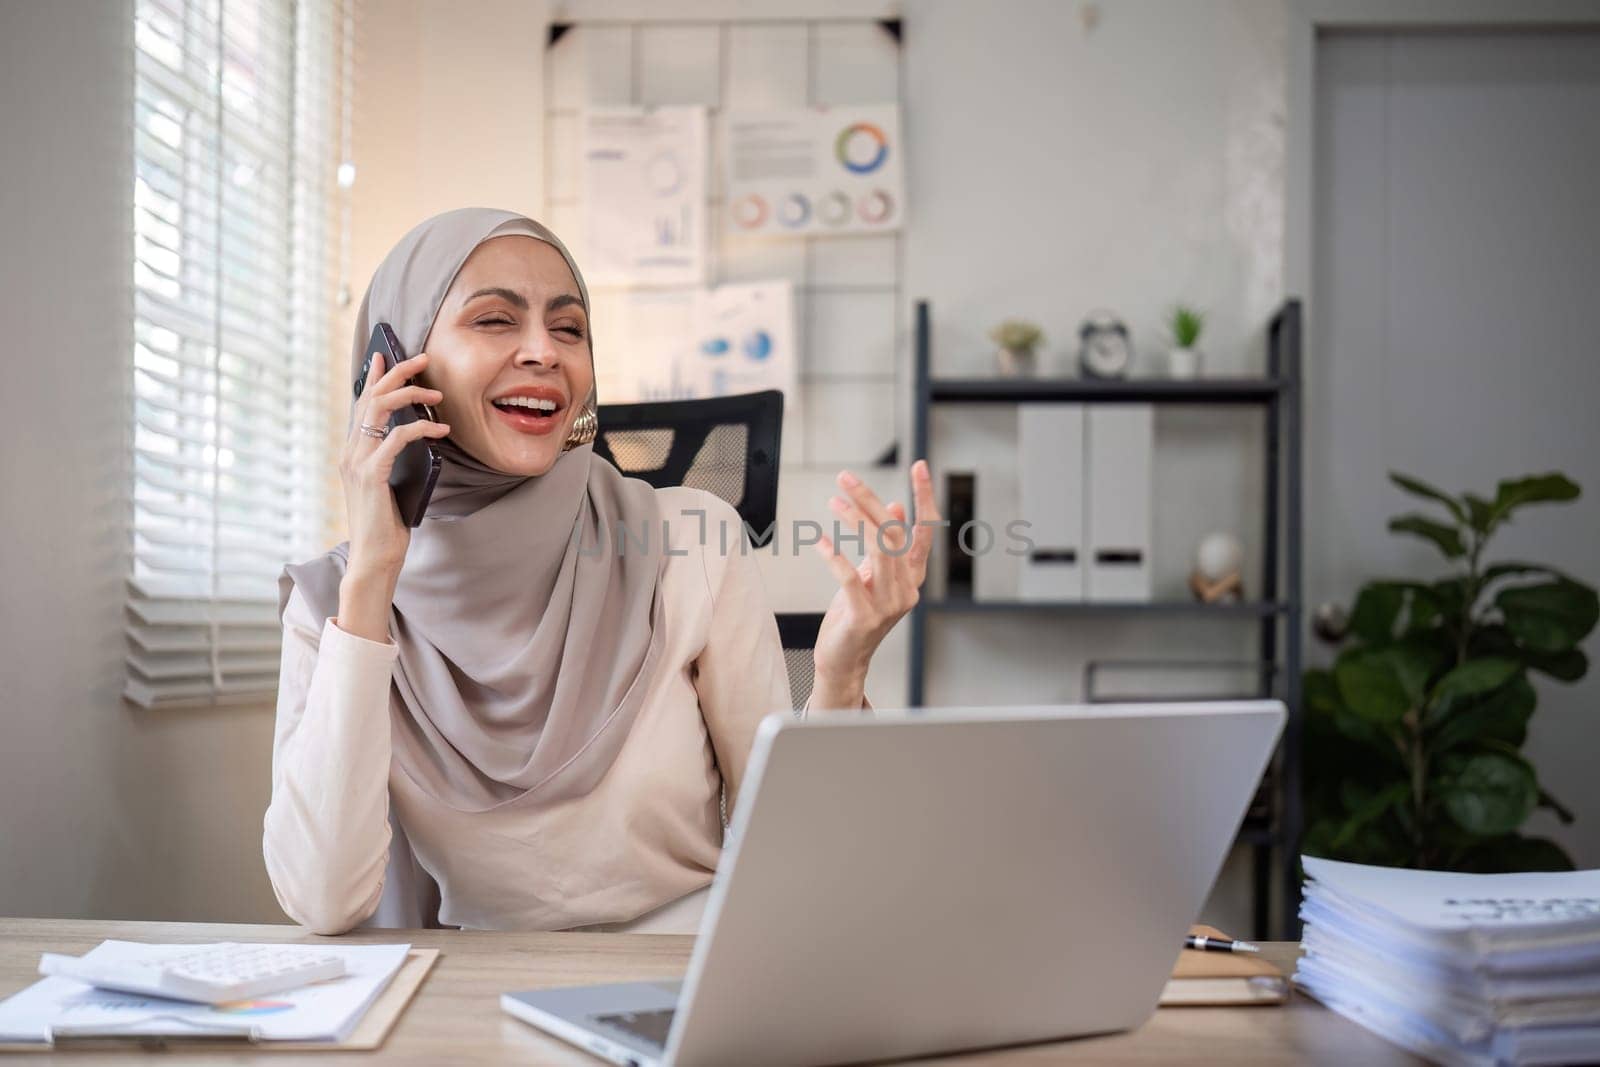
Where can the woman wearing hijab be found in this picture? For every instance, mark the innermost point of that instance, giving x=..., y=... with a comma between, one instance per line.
x=527, y=712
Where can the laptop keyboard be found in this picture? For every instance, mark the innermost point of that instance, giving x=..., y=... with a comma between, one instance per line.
x=652, y=1026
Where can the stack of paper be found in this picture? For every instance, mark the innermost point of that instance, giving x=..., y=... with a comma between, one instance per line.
x=54, y=1008
x=1472, y=969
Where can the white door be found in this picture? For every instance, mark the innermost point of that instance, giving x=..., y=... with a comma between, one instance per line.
x=1455, y=323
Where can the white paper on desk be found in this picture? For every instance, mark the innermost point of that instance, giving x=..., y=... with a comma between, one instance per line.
x=1463, y=977
x=1535, y=1046
x=1460, y=950
x=325, y=1011
x=1545, y=904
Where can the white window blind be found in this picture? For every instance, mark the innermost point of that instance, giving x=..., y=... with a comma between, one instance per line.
x=234, y=169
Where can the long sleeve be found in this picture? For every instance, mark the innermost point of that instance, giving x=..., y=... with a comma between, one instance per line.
x=326, y=832
x=740, y=675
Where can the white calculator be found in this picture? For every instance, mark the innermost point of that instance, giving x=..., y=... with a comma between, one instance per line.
x=212, y=974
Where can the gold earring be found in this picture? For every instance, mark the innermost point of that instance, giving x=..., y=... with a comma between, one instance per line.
x=584, y=427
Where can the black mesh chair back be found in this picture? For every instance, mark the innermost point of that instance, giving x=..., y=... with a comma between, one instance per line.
x=727, y=445
x=798, y=632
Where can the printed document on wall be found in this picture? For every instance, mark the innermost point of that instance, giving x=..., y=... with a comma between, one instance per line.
x=685, y=344
x=810, y=172
x=644, y=196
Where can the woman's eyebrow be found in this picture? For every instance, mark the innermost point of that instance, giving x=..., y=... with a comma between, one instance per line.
x=521, y=302
x=510, y=295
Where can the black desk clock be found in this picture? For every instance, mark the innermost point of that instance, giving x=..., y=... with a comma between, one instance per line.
x=1106, y=349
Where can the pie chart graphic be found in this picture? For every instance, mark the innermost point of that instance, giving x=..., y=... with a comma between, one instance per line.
x=758, y=346
x=861, y=148
x=749, y=211
x=834, y=209
x=876, y=206
x=665, y=174
x=794, y=211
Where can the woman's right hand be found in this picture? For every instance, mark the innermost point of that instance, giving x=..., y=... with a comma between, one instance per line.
x=378, y=536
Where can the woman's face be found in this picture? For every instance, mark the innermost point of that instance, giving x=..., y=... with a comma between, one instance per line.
x=512, y=324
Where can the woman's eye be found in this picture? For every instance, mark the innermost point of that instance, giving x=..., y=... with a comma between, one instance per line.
x=575, y=332
x=494, y=322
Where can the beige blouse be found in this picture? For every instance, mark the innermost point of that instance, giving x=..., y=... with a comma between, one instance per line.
x=635, y=853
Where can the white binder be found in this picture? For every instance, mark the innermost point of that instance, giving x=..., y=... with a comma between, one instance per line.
x=1119, y=443
x=1050, y=445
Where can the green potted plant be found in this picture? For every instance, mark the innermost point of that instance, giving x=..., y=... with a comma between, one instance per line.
x=1185, y=324
x=1017, y=339
x=1412, y=741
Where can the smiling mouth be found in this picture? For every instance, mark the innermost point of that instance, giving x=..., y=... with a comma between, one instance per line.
x=540, y=418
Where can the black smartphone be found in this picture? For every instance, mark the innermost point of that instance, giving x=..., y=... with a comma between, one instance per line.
x=416, y=469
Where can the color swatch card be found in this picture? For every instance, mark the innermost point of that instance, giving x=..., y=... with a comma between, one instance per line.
x=814, y=171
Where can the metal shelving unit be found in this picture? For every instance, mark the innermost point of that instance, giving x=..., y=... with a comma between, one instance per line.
x=1278, y=613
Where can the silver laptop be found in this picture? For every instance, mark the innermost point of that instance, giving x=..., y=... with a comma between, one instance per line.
x=916, y=882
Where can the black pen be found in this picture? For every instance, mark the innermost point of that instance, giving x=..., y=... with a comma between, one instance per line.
x=1217, y=944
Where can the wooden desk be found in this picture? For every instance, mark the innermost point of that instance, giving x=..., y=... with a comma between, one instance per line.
x=456, y=1017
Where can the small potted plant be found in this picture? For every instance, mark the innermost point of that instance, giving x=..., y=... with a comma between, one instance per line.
x=1017, y=340
x=1185, y=323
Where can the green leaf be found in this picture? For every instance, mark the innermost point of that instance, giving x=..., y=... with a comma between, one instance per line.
x=1568, y=666
x=1446, y=538
x=1472, y=678
x=1514, y=853
x=1418, y=487
x=1371, y=687
x=1501, y=715
x=1452, y=598
x=1414, y=662
x=1373, y=807
x=1534, y=489
x=1426, y=612
x=1490, y=794
x=1495, y=640
x=1551, y=616
x=1480, y=513
x=1333, y=732
x=1377, y=607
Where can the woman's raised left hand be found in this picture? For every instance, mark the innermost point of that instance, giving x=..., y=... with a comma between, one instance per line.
x=875, y=594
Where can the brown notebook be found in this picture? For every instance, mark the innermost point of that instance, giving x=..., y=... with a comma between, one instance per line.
x=1210, y=979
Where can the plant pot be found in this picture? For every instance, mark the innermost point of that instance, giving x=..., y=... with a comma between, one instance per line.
x=1183, y=363
x=1014, y=362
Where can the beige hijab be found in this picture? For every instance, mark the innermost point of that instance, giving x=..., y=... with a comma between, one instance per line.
x=525, y=635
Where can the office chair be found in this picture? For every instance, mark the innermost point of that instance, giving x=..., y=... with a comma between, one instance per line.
x=726, y=445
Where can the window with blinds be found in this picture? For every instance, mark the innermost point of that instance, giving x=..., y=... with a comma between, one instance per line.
x=234, y=171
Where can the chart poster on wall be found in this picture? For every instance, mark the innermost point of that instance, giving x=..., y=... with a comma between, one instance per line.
x=703, y=342
x=644, y=195
x=809, y=172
